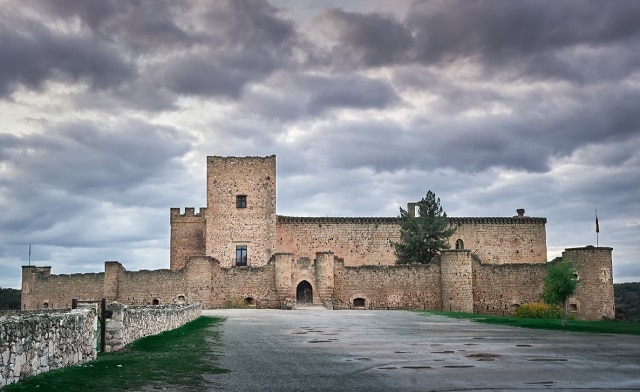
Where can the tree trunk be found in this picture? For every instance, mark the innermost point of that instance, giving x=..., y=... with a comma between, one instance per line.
x=565, y=310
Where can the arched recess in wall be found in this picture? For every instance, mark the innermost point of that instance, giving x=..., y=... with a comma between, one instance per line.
x=359, y=301
x=155, y=301
x=304, y=293
x=459, y=244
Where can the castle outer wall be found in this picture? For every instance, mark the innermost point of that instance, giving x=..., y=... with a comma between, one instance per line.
x=237, y=251
x=455, y=281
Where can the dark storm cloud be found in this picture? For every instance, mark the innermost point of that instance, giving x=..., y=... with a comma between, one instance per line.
x=510, y=39
x=84, y=158
x=372, y=38
x=33, y=54
x=147, y=53
x=349, y=92
x=148, y=25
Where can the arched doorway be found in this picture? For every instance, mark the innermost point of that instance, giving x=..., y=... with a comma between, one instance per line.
x=304, y=293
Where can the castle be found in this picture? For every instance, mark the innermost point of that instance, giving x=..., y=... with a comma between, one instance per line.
x=238, y=251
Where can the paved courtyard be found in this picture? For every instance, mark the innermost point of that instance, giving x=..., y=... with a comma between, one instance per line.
x=321, y=350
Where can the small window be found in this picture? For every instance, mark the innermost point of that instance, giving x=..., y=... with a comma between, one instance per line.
x=573, y=307
x=155, y=301
x=241, y=201
x=459, y=244
x=241, y=255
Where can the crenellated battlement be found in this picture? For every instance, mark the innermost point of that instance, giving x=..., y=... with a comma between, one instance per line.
x=189, y=212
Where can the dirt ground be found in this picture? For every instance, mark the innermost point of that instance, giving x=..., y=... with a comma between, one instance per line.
x=322, y=350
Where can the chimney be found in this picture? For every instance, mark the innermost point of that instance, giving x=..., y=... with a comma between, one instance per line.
x=520, y=212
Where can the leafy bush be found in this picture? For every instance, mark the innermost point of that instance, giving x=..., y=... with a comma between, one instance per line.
x=538, y=310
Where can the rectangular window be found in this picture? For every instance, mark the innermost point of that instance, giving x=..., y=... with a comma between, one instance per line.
x=241, y=255
x=241, y=201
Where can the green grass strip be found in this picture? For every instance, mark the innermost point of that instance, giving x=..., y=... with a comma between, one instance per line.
x=179, y=357
x=604, y=326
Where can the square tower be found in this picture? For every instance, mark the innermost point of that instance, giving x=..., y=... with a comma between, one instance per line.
x=241, y=210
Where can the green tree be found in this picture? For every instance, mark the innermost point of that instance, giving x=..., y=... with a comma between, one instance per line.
x=422, y=237
x=559, y=284
x=9, y=298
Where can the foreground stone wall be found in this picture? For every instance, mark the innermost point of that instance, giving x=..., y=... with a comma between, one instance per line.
x=36, y=343
x=129, y=323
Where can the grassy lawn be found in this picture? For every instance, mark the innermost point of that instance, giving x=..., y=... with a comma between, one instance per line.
x=175, y=358
x=625, y=327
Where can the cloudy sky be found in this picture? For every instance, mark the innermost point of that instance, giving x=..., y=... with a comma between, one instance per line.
x=109, y=108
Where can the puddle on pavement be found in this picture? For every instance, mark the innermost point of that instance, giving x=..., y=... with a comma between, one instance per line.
x=443, y=352
x=320, y=341
x=417, y=367
x=357, y=359
x=457, y=366
x=484, y=357
x=523, y=345
x=547, y=360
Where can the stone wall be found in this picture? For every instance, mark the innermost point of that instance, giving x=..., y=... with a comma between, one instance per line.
x=500, y=288
x=36, y=343
x=250, y=286
x=41, y=290
x=502, y=240
x=456, y=280
x=388, y=287
x=359, y=241
x=129, y=323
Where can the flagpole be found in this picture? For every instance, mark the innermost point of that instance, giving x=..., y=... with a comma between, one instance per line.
x=29, y=255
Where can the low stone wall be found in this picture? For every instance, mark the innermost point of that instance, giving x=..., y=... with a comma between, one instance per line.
x=36, y=343
x=129, y=323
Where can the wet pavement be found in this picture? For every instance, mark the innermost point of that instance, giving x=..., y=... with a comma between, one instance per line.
x=322, y=350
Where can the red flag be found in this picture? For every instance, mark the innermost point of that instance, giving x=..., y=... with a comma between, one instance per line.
x=597, y=225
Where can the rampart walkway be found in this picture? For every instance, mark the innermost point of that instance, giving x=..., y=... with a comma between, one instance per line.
x=315, y=350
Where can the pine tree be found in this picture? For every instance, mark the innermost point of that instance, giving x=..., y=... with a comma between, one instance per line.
x=422, y=237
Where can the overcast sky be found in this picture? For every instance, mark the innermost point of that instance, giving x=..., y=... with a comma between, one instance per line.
x=109, y=108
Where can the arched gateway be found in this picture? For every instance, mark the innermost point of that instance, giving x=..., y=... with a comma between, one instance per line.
x=304, y=293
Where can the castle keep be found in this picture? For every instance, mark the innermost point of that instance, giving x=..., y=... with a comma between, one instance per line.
x=237, y=250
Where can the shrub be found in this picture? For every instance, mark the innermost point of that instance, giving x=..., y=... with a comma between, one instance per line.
x=538, y=310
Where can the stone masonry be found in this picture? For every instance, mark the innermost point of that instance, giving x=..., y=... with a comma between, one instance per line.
x=39, y=342
x=237, y=250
